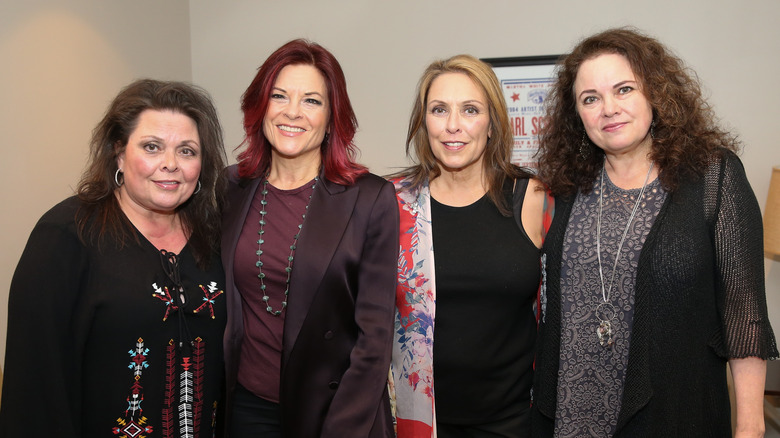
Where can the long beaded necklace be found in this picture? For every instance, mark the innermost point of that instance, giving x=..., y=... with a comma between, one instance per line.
x=605, y=311
x=260, y=241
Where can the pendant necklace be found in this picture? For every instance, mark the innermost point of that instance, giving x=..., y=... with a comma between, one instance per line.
x=605, y=311
x=260, y=241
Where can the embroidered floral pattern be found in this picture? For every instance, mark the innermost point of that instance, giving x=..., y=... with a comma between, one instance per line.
x=133, y=425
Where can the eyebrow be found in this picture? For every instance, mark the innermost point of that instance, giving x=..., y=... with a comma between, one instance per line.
x=160, y=140
x=618, y=85
x=465, y=102
x=308, y=93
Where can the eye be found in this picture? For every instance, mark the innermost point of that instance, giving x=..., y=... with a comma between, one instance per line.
x=312, y=101
x=277, y=96
x=189, y=151
x=438, y=110
x=151, y=147
x=589, y=100
x=625, y=89
x=471, y=110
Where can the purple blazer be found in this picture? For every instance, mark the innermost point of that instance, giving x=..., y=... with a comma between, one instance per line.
x=338, y=329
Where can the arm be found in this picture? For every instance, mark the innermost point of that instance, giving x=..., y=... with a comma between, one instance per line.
x=358, y=398
x=747, y=336
x=749, y=375
x=41, y=388
x=537, y=211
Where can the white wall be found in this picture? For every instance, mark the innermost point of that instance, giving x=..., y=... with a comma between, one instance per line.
x=384, y=47
x=61, y=63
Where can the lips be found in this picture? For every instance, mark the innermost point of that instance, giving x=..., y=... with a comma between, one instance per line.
x=167, y=185
x=612, y=127
x=291, y=129
x=453, y=145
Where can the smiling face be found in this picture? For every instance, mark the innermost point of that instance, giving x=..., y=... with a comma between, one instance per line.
x=613, y=109
x=298, y=113
x=161, y=163
x=458, y=122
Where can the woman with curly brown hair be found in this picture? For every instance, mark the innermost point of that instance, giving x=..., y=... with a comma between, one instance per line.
x=653, y=263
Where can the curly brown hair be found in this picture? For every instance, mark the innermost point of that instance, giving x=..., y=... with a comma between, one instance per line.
x=686, y=135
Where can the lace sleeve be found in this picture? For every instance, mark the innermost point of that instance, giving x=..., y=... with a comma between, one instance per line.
x=737, y=234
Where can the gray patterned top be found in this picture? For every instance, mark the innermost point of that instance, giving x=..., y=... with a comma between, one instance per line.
x=591, y=376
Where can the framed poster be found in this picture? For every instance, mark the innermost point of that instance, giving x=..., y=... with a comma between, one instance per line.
x=526, y=81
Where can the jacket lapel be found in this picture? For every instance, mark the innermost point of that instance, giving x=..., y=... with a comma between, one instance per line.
x=328, y=215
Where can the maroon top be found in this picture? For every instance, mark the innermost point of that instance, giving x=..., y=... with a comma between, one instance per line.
x=261, y=350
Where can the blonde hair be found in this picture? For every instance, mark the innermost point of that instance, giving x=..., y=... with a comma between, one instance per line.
x=496, y=162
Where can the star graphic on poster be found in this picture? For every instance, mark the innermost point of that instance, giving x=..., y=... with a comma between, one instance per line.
x=515, y=97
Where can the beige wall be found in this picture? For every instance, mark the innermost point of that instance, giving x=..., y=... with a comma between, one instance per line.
x=61, y=66
x=384, y=46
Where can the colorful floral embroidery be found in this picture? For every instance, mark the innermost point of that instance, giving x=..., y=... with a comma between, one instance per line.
x=208, y=300
x=165, y=296
x=134, y=424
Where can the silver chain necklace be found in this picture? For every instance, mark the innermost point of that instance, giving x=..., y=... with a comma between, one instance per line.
x=605, y=311
x=290, y=258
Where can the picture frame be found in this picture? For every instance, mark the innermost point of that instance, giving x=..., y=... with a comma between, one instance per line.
x=525, y=81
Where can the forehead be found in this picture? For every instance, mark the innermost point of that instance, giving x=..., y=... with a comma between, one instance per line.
x=302, y=77
x=606, y=69
x=455, y=86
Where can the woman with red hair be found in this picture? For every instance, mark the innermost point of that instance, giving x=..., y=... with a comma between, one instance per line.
x=310, y=246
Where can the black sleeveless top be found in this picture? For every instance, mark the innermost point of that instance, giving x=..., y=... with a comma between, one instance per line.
x=487, y=276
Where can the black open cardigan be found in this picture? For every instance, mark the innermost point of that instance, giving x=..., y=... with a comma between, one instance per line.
x=700, y=300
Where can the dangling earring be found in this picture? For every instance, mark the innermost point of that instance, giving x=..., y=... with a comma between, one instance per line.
x=198, y=189
x=585, y=147
x=116, y=178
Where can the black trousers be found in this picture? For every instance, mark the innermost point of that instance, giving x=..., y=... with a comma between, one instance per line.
x=254, y=416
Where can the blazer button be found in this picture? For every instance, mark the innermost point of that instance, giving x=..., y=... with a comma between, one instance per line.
x=333, y=385
x=328, y=334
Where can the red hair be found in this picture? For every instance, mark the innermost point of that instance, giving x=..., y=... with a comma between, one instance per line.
x=338, y=151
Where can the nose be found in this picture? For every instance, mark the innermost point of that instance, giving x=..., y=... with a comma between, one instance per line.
x=453, y=122
x=610, y=106
x=170, y=161
x=292, y=111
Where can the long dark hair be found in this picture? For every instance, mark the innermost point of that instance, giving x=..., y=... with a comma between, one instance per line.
x=199, y=215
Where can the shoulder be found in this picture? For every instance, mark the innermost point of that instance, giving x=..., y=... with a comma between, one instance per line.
x=371, y=184
x=63, y=214
x=58, y=225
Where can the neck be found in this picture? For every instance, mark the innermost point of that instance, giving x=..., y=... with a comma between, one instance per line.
x=459, y=188
x=163, y=229
x=629, y=171
x=289, y=174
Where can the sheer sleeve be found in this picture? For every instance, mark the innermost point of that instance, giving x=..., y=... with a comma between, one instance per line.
x=737, y=234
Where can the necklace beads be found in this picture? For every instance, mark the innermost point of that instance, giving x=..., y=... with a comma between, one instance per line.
x=290, y=258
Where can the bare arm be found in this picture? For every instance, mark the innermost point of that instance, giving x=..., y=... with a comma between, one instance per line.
x=749, y=375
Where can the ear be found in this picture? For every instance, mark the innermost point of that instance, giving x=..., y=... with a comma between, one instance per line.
x=119, y=151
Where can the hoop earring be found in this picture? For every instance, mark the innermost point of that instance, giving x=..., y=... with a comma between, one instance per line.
x=116, y=178
x=198, y=189
x=585, y=147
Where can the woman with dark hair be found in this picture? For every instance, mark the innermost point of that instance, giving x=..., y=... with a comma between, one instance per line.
x=310, y=249
x=485, y=218
x=654, y=272
x=116, y=310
